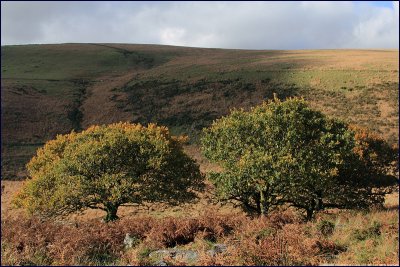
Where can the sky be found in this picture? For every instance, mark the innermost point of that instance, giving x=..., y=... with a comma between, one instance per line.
x=240, y=25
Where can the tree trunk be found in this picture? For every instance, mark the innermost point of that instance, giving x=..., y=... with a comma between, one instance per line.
x=320, y=204
x=263, y=206
x=111, y=213
x=309, y=214
x=258, y=205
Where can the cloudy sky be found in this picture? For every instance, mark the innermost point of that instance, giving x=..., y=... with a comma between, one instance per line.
x=246, y=25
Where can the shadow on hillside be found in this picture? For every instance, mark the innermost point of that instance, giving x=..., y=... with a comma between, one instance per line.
x=192, y=104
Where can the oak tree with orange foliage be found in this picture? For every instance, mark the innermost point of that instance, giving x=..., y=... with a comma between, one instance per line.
x=104, y=167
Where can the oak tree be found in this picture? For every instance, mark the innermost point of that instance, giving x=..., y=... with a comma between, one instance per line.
x=104, y=167
x=285, y=153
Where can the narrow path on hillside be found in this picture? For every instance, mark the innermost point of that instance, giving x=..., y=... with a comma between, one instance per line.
x=103, y=104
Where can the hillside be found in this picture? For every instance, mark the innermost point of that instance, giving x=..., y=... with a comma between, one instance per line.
x=53, y=89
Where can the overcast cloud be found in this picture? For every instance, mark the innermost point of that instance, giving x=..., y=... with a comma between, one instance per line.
x=247, y=25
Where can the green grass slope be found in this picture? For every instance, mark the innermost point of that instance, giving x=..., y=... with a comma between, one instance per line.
x=52, y=89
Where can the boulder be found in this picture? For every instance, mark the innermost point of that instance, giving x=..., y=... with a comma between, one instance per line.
x=129, y=241
x=174, y=253
x=217, y=248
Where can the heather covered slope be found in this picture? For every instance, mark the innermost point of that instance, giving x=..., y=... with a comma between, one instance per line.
x=52, y=89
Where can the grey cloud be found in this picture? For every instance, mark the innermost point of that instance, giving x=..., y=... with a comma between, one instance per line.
x=251, y=25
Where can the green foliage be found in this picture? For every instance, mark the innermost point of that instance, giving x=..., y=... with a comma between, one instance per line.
x=104, y=167
x=283, y=152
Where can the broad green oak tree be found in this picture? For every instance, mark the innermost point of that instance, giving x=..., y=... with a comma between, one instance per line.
x=285, y=153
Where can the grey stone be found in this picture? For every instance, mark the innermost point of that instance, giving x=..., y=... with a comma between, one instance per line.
x=129, y=241
x=217, y=248
x=161, y=263
x=186, y=255
x=161, y=253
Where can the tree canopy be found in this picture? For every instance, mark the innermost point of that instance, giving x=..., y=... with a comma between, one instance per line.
x=104, y=167
x=284, y=152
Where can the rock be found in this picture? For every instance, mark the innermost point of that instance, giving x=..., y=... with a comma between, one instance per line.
x=176, y=254
x=186, y=255
x=129, y=241
x=161, y=263
x=217, y=248
x=162, y=253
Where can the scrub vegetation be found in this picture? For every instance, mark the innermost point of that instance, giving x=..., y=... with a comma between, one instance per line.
x=117, y=154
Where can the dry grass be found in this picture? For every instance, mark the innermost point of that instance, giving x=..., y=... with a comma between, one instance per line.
x=282, y=238
x=31, y=241
x=370, y=238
